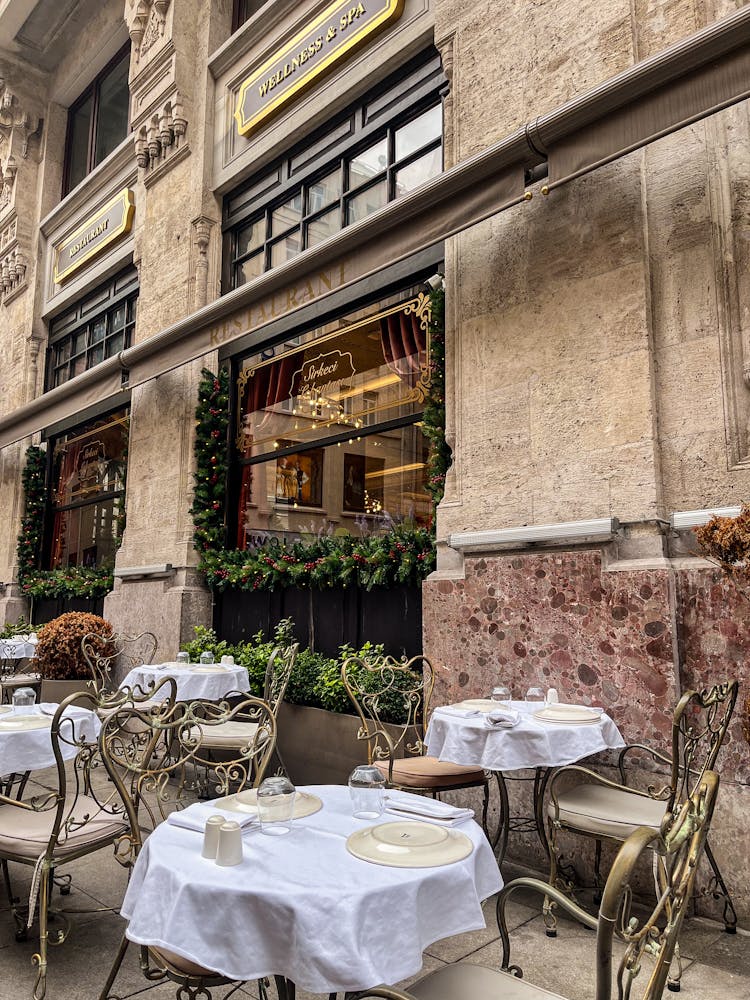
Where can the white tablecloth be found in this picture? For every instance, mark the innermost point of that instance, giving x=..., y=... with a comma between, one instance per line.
x=302, y=906
x=193, y=682
x=31, y=750
x=19, y=647
x=529, y=744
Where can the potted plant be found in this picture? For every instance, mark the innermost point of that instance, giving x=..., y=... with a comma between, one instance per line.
x=59, y=658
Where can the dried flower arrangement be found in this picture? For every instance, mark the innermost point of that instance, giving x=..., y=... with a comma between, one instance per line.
x=59, y=653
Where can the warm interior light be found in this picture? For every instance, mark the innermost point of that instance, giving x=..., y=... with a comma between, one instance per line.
x=395, y=470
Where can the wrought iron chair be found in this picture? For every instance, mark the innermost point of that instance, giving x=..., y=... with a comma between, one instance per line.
x=159, y=761
x=46, y=831
x=603, y=809
x=383, y=686
x=233, y=735
x=677, y=847
x=104, y=652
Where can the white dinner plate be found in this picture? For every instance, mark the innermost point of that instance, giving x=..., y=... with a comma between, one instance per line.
x=18, y=723
x=478, y=704
x=575, y=715
x=408, y=844
x=5, y=708
x=208, y=670
x=305, y=804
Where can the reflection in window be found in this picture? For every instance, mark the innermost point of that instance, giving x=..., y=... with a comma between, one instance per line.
x=328, y=430
x=88, y=492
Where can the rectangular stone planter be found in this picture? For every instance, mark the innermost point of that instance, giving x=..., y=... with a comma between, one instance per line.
x=320, y=747
x=57, y=691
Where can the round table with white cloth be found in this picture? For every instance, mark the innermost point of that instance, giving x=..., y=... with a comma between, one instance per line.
x=18, y=647
x=532, y=743
x=195, y=682
x=30, y=749
x=301, y=906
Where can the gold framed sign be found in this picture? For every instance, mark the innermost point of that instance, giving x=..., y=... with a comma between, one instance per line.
x=97, y=232
x=333, y=35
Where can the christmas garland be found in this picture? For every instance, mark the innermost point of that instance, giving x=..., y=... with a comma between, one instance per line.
x=403, y=556
x=73, y=581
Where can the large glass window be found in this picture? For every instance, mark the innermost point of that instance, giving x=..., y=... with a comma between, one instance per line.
x=97, y=327
x=88, y=492
x=244, y=10
x=98, y=121
x=328, y=431
x=380, y=149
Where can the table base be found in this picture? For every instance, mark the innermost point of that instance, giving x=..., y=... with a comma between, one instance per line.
x=521, y=824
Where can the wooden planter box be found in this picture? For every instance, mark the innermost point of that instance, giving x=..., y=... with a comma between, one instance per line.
x=319, y=747
x=57, y=691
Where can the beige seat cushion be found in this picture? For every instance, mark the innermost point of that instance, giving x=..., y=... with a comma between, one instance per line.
x=464, y=981
x=429, y=772
x=611, y=812
x=134, y=724
x=26, y=834
x=15, y=680
x=182, y=966
x=233, y=735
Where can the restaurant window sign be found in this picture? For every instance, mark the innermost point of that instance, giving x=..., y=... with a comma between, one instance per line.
x=328, y=431
x=88, y=493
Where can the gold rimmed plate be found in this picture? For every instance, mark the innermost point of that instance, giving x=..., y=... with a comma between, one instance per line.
x=209, y=670
x=305, y=804
x=478, y=704
x=20, y=723
x=570, y=715
x=409, y=844
x=4, y=709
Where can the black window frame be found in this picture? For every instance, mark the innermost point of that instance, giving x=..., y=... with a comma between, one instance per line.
x=122, y=288
x=403, y=97
x=92, y=91
x=243, y=10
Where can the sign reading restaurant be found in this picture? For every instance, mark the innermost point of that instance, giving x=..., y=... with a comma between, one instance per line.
x=334, y=34
x=97, y=232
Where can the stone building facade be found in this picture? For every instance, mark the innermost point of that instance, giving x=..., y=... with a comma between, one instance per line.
x=597, y=340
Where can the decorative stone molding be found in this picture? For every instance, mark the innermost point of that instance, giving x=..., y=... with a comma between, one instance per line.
x=201, y=260
x=12, y=263
x=15, y=122
x=162, y=135
x=8, y=171
x=147, y=25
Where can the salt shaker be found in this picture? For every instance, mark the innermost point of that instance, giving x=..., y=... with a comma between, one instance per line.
x=211, y=836
x=552, y=698
x=229, y=850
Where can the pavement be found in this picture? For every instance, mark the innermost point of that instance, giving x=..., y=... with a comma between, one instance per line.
x=716, y=965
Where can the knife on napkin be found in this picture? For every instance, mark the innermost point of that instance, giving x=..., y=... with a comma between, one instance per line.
x=428, y=810
x=195, y=816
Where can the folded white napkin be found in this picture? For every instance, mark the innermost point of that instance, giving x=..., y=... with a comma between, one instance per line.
x=502, y=718
x=195, y=816
x=462, y=713
x=428, y=810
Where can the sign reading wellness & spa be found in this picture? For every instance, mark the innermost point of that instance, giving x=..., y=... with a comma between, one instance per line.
x=335, y=33
x=102, y=228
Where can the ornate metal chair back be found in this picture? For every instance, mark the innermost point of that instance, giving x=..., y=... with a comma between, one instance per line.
x=699, y=725
x=383, y=691
x=677, y=850
x=103, y=653
x=278, y=672
x=157, y=759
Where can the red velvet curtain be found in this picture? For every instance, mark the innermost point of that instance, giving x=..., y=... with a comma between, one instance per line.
x=404, y=343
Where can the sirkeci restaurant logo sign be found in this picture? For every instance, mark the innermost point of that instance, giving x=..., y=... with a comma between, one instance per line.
x=322, y=373
x=338, y=31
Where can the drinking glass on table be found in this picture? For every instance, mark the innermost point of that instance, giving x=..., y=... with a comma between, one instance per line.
x=183, y=658
x=535, y=696
x=367, y=791
x=207, y=658
x=501, y=694
x=276, y=805
x=23, y=697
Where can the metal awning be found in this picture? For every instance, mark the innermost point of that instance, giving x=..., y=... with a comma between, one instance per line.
x=697, y=77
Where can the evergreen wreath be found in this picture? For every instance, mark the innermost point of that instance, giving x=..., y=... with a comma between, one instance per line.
x=403, y=556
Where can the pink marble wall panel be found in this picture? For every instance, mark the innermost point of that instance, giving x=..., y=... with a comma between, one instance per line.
x=556, y=619
x=714, y=643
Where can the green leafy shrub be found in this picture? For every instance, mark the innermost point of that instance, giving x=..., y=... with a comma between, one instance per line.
x=19, y=627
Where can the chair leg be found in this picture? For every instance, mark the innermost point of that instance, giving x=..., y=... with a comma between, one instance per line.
x=719, y=890
x=115, y=968
x=40, y=959
x=548, y=914
x=485, y=808
x=598, y=887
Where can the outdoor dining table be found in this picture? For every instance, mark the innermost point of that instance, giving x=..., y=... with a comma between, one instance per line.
x=301, y=907
x=25, y=735
x=461, y=734
x=195, y=681
x=18, y=647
